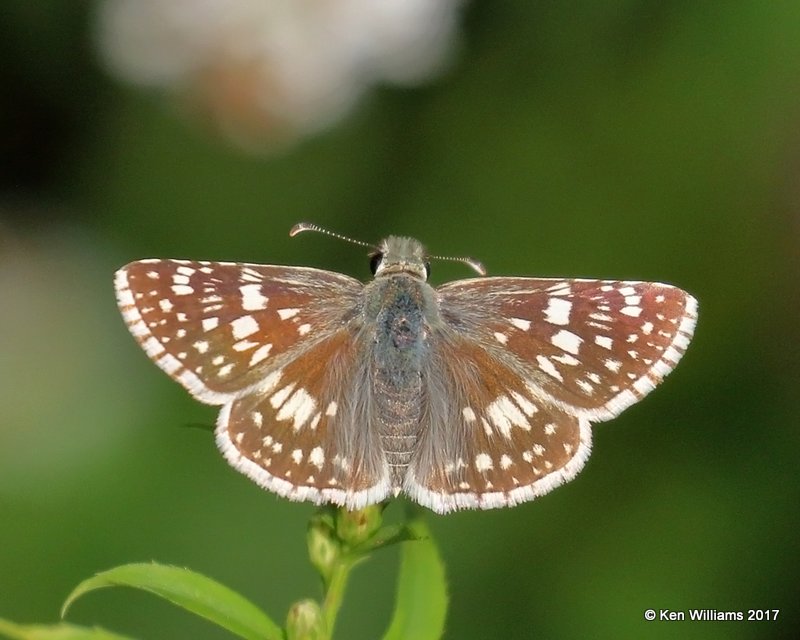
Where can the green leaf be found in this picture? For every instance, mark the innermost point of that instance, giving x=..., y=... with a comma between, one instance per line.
x=190, y=590
x=421, y=605
x=61, y=631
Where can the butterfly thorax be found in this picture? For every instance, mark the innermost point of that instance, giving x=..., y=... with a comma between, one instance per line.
x=400, y=307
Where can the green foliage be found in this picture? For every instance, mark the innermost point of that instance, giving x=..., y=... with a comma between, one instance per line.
x=189, y=590
x=421, y=590
x=337, y=541
x=55, y=632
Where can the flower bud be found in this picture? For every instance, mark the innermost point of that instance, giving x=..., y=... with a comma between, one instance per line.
x=305, y=621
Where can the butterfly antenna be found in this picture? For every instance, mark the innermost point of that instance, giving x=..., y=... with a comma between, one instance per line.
x=476, y=265
x=308, y=226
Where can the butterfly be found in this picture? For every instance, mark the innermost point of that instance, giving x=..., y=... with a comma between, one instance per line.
x=477, y=394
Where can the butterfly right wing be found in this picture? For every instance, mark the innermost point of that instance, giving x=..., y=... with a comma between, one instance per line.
x=516, y=380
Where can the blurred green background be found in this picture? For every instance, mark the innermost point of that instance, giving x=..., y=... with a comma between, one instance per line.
x=625, y=139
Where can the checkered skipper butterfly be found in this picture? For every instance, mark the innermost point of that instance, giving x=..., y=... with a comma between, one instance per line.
x=477, y=394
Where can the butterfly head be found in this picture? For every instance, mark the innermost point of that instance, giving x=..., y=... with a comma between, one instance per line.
x=398, y=254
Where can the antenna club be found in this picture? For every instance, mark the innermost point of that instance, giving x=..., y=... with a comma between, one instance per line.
x=302, y=226
x=477, y=266
x=473, y=264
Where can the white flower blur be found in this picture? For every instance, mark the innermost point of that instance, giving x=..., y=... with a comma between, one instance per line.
x=264, y=71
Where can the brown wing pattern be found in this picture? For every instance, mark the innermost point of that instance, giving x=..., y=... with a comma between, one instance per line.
x=219, y=328
x=595, y=346
x=520, y=366
x=489, y=442
x=302, y=435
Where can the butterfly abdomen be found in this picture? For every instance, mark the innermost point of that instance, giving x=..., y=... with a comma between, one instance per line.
x=399, y=354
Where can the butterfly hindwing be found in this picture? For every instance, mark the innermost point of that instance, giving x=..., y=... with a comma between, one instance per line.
x=300, y=433
x=490, y=442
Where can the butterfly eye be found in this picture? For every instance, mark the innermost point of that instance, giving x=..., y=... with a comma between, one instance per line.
x=427, y=269
x=374, y=260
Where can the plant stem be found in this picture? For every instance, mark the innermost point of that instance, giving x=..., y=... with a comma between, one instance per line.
x=334, y=593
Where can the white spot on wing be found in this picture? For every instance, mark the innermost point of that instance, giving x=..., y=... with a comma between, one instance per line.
x=299, y=407
x=317, y=457
x=603, y=341
x=526, y=405
x=585, y=386
x=521, y=324
x=201, y=346
x=260, y=354
x=252, y=298
x=285, y=314
x=182, y=289
x=557, y=311
x=279, y=397
x=244, y=345
x=504, y=414
x=225, y=371
x=567, y=341
x=483, y=462
x=244, y=326
x=549, y=368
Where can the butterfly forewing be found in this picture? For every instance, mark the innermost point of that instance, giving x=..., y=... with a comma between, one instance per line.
x=219, y=328
x=596, y=346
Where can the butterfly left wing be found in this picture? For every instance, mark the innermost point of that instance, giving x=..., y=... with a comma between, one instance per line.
x=303, y=433
x=274, y=345
x=219, y=328
x=525, y=372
